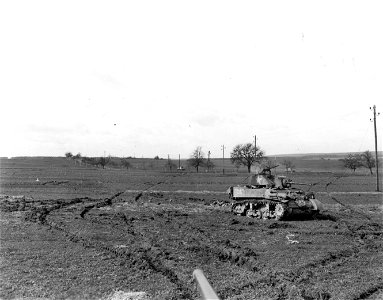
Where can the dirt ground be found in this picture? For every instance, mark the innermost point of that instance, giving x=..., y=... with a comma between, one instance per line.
x=84, y=233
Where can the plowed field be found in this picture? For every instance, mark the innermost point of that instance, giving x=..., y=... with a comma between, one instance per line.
x=87, y=233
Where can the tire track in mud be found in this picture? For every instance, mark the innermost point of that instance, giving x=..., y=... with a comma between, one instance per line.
x=230, y=252
x=374, y=290
x=360, y=236
x=225, y=251
x=145, y=257
x=246, y=257
x=330, y=194
x=297, y=276
x=28, y=204
x=148, y=256
x=37, y=211
x=155, y=264
x=140, y=193
x=43, y=212
x=305, y=272
x=105, y=202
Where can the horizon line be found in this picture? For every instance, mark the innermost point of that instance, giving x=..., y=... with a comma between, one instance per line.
x=380, y=152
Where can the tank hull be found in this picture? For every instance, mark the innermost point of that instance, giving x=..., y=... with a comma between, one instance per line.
x=272, y=203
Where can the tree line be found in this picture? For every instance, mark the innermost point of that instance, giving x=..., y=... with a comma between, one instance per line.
x=100, y=161
x=241, y=155
x=116, y=162
x=247, y=155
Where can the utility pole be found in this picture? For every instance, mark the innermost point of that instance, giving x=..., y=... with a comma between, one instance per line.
x=223, y=159
x=376, y=149
x=255, y=147
x=179, y=161
x=208, y=160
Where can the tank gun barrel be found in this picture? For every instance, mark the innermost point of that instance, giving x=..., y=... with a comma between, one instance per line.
x=204, y=287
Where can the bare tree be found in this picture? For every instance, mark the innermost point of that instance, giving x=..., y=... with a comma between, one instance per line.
x=288, y=165
x=352, y=161
x=245, y=154
x=103, y=161
x=368, y=160
x=68, y=154
x=267, y=164
x=196, y=159
x=125, y=163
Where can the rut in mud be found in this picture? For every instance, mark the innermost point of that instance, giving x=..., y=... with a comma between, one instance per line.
x=148, y=257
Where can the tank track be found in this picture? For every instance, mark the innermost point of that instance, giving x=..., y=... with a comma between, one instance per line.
x=261, y=209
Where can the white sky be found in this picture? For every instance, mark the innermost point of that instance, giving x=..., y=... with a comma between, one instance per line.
x=150, y=78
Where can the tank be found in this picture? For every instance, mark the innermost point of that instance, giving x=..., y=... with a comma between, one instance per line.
x=272, y=197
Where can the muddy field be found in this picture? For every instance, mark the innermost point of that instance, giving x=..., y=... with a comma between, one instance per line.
x=85, y=233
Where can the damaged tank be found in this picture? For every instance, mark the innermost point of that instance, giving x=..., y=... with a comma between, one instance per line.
x=272, y=197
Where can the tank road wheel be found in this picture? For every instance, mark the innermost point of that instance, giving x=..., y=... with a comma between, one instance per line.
x=265, y=212
x=280, y=211
x=239, y=209
x=251, y=213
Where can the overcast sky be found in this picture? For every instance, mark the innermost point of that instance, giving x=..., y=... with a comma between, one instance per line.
x=148, y=78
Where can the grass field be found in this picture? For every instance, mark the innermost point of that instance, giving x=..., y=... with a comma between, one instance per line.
x=81, y=232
